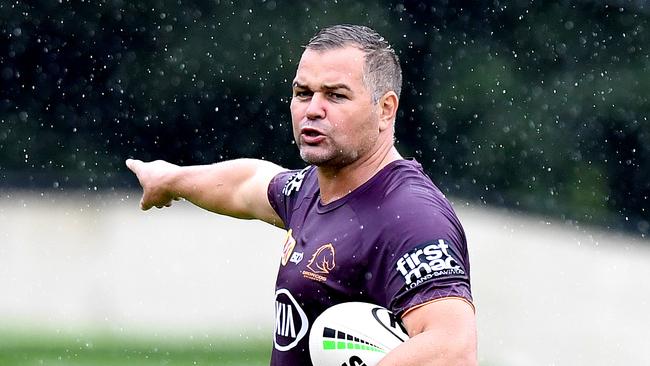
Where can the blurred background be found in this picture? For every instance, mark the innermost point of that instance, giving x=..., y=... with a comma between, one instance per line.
x=531, y=116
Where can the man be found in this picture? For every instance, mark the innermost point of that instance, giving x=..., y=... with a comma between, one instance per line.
x=363, y=223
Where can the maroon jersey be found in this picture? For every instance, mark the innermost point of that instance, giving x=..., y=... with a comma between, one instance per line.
x=394, y=241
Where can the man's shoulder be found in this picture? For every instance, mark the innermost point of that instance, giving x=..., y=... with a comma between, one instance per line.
x=290, y=186
x=407, y=181
x=293, y=181
x=403, y=187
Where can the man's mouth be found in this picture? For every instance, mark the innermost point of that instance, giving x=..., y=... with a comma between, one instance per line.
x=311, y=136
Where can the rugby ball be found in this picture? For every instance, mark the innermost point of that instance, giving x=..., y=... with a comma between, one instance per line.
x=354, y=334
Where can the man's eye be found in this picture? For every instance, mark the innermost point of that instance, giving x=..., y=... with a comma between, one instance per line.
x=302, y=94
x=337, y=96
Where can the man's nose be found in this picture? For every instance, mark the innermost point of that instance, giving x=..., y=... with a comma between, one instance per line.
x=316, y=107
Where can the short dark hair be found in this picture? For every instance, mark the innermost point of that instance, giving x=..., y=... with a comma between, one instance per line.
x=382, y=71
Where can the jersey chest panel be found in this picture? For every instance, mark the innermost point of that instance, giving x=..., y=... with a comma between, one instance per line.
x=323, y=265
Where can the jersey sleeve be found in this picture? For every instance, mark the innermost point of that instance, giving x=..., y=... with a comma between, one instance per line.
x=283, y=191
x=426, y=256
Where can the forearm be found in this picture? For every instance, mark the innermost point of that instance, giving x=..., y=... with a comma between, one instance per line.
x=431, y=349
x=228, y=188
x=209, y=186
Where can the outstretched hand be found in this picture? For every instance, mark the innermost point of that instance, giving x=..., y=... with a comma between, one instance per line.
x=154, y=177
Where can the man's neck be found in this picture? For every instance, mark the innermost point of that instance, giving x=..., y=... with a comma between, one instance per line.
x=337, y=183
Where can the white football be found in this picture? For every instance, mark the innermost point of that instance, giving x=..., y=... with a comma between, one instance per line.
x=354, y=334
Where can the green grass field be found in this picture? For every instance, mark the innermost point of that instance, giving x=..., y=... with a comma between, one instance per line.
x=21, y=348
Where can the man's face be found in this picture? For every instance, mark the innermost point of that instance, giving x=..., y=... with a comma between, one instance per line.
x=334, y=120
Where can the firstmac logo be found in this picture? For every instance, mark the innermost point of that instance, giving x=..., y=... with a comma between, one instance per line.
x=427, y=262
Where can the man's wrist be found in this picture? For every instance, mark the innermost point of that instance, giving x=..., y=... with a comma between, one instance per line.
x=173, y=180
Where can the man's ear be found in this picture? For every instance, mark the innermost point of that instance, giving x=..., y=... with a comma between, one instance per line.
x=387, y=105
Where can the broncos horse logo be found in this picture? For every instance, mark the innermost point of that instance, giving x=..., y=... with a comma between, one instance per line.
x=322, y=261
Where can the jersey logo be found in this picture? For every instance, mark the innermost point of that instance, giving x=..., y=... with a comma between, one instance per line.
x=296, y=257
x=295, y=182
x=321, y=263
x=291, y=322
x=426, y=262
x=287, y=248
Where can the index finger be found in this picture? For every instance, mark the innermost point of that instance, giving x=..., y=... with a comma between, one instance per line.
x=132, y=164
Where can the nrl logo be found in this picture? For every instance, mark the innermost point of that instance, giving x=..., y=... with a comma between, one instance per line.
x=321, y=263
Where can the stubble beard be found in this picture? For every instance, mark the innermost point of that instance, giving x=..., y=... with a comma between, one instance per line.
x=335, y=157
